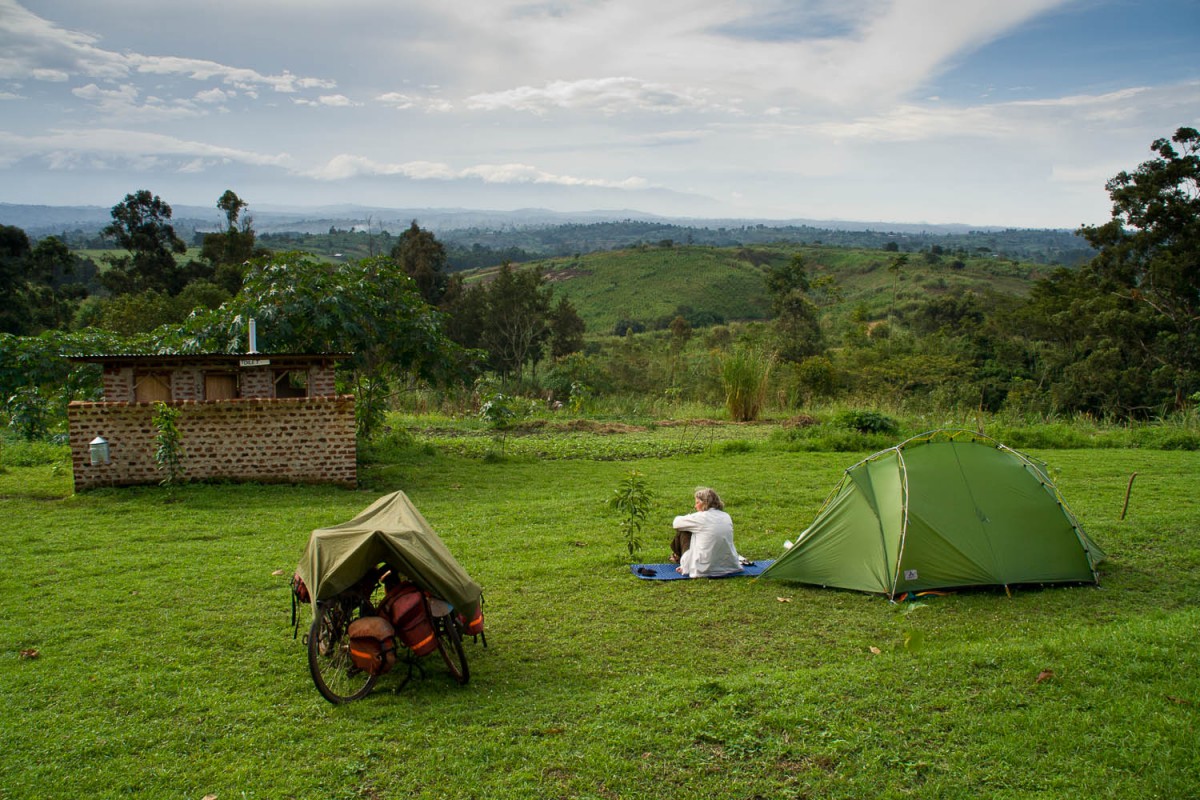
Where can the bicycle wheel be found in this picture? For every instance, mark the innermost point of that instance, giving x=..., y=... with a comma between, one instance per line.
x=337, y=678
x=449, y=643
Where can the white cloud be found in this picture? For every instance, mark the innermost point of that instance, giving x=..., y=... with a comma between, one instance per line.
x=1016, y=119
x=403, y=101
x=604, y=95
x=214, y=96
x=345, y=166
x=38, y=49
x=122, y=102
x=327, y=101
x=832, y=105
x=110, y=148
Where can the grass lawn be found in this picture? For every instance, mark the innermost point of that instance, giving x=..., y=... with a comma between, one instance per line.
x=166, y=666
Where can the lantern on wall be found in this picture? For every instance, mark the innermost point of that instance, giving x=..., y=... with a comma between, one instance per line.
x=99, y=451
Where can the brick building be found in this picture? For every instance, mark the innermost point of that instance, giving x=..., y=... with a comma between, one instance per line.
x=254, y=417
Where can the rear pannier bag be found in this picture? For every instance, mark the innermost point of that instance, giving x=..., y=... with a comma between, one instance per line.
x=472, y=626
x=372, y=644
x=406, y=608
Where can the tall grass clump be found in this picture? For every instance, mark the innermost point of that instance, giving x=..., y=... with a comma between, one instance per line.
x=745, y=374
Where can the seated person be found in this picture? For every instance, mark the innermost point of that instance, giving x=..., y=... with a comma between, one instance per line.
x=704, y=539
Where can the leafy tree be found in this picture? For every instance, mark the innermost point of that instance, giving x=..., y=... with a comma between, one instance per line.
x=52, y=296
x=1091, y=343
x=1149, y=252
x=14, y=257
x=34, y=292
x=465, y=309
x=368, y=309
x=229, y=251
x=423, y=259
x=797, y=327
x=232, y=205
x=141, y=226
x=517, y=319
x=41, y=382
x=566, y=329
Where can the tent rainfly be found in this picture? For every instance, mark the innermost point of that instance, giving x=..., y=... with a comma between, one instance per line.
x=390, y=530
x=943, y=509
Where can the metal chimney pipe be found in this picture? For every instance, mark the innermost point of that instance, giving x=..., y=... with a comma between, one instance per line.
x=253, y=337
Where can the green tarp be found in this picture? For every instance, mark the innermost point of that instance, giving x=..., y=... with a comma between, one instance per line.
x=390, y=530
x=945, y=509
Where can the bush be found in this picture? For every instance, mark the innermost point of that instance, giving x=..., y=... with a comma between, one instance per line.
x=394, y=445
x=823, y=439
x=867, y=422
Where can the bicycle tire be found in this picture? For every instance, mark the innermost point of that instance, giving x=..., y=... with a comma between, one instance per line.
x=334, y=673
x=449, y=644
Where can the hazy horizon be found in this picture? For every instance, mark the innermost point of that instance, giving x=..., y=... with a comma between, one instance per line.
x=911, y=111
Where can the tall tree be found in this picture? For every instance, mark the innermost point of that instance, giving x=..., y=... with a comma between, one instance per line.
x=229, y=252
x=141, y=226
x=797, y=327
x=423, y=259
x=14, y=259
x=34, y=294
x=566, y=329
x=1150, y=253
x=232, y=205
x=516, y=323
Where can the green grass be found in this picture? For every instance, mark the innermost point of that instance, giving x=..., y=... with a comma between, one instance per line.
x=647, y=284
x=167, y=666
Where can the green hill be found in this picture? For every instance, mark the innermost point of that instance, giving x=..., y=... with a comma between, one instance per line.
x=650, y=285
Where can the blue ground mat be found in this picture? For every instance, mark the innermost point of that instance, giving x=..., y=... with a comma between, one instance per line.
x=666, y=572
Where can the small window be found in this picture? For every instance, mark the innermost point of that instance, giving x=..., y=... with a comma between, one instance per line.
x=220, y=386
x=291, y=383
x=152, y=388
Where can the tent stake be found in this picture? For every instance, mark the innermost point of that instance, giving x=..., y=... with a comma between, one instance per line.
x=1128, y=489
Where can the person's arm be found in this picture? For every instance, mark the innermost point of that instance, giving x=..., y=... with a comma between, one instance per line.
x=686, y=522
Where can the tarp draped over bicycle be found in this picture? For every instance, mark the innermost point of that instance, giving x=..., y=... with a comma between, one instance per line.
x=392, y=530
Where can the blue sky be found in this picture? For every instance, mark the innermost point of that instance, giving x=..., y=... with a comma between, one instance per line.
x=941, y=111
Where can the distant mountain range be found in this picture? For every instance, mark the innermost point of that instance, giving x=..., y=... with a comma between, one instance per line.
x=480, y=237
x=40, y=221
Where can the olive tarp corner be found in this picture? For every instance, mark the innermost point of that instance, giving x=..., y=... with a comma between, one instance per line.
x=943, y=509
x=390, y=530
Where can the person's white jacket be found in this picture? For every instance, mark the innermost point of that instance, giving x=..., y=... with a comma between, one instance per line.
x=711, y=552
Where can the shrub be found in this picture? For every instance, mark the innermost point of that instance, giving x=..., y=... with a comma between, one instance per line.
x=633, y=500
x=867, y=422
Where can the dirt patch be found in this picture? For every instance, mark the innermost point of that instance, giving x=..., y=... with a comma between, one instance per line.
x=800, y=421
x=575, y=425
x=564, y=274
x=591, y=426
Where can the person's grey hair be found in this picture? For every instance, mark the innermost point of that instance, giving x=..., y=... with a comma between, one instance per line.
x=709, y=499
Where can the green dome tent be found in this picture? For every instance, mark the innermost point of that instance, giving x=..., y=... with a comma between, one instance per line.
x=943, y=509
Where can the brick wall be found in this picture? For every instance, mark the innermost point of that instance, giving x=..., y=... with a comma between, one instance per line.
x=303, y=440
x=118, y=383
x=187, y=380
x=258, y=382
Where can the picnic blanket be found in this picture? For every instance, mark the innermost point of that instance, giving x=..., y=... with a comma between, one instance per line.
x=666, y=572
